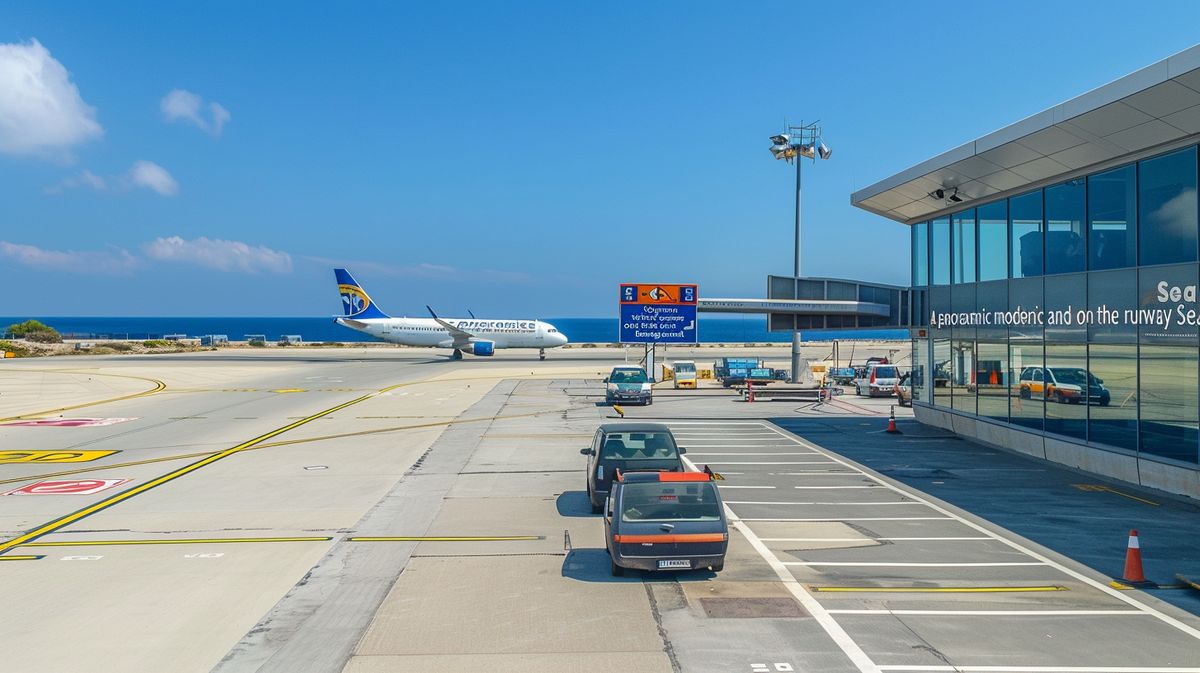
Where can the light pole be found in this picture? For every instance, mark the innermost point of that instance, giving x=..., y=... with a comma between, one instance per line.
x=798, y=142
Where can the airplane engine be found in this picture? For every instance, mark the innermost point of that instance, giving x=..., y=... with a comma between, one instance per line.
x=481, y=348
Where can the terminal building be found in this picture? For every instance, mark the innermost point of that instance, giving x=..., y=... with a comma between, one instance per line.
x=1055, y=266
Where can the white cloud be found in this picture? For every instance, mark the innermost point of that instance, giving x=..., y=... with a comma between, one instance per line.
x=152, y=176
x=84, y=178
x=218, y=254
x=426, y=270
x=115, y=261
x=183, y=104
x=40, y=108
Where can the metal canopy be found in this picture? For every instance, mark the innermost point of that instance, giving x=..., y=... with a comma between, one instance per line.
x=796, y=306
x=1157, y=105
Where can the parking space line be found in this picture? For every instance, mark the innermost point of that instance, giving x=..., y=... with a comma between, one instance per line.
x=823, y=504
x=458, y=538
x=730, y=462
x=890, y=564
x=831, y=488
x=725, y=486
x=997, y=613
x=917, y=667
x=871, y=539
x=1100, y=586
x=936, y=590
x=754, y=453
x=868, y=518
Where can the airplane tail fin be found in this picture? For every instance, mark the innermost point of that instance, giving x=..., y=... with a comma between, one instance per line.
x=355, y=301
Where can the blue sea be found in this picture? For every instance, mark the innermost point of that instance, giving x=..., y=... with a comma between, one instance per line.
x=578, y=330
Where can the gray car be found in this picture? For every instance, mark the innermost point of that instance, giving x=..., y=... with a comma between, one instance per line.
x=665, y=521
x=628, y=447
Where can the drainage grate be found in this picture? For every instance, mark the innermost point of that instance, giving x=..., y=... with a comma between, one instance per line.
x=748, y=608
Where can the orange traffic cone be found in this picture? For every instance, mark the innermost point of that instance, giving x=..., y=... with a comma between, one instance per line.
x=1133, y=575
x=749, y=390
x=891, y=428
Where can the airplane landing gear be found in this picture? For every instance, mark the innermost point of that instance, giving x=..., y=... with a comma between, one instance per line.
x=541, y=353
x=456, y=355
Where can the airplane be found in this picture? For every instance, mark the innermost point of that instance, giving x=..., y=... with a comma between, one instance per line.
x=463, y=335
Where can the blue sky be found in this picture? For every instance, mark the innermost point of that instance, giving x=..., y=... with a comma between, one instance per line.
x=510, y=158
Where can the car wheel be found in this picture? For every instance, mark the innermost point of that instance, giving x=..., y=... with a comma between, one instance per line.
x=717, y=567
x=858, y=391
x=1026, y=394
x=649, y=402
x=1104, y=401
x=616, y=570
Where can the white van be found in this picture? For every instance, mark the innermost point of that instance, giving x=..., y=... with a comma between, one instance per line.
x=684, y=374
x=879, y=379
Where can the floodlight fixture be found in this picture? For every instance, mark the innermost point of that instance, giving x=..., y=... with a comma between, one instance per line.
x=955, y=197
x=938, y=193
x=823, y=150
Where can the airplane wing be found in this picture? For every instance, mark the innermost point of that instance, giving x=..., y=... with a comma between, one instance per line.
x=461, y=337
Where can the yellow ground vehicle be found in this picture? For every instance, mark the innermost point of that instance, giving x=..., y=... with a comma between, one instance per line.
x=685, y=374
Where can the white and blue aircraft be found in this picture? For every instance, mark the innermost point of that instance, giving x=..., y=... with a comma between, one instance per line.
x=464, y=335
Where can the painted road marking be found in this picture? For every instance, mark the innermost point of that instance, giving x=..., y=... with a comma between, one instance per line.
x=732, y=462
x=159, y=386
x=1126, y=598
x=890, y=564
x=216, y=540
x=754, y=453
x=872, y=539
x=461, y=538
x=288, y=390
x=836, y=487
x=1107, y=489
x=65, y=422
x=52, y=456
x=834, y=630
x=725, y=486
x=997, y=613
x=26, y=557
x=75, y=487
x=81, y=558
x=1039, y=669
x=823, y=504
x=936, y=590
x=868, y=518
x=171, y=476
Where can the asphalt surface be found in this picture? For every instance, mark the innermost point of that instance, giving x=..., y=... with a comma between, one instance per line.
x=386, y=510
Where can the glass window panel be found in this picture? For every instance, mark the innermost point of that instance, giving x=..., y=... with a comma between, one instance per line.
x=920, y=360
x=962, y=245
x=1112, y=218
x=1026, y=387
x=1167, y=208
x=1025, y=225
x=810, y=289
x=941, y=372
x=1167, y=402
x=920, y=254
x=1025, y=300
x=1066, y=250
x=780, y=287
x=1167, y=310
x=939, y=253
x=993, y=241
x=992, y=297
x=962, y=375
x=1113, y=415
x=1066, y=296
x=991, y=380
x=1110, y=295
x=1067, y=388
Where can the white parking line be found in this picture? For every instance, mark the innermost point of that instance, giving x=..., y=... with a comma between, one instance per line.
x=751, y=453
x=1037, y=668
x=826, y=504
x=997, y=613
x=724, y=486
x=889, y=564
x=832, y=488
x=872, y=539
x=866, y=518
x=727, y=462
x=1121, y=596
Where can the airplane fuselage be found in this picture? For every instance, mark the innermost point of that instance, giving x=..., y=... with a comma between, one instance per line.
x=428, y=332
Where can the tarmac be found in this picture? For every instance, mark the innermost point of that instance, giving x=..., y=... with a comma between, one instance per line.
x=388, y=510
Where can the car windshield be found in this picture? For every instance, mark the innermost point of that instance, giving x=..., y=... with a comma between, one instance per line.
x=638, y=446
x=671, y=501
x=1071, y=375
x=685, y=368
x=627, y=376
x=885, y=372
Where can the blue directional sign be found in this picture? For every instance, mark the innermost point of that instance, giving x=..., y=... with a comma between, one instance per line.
x=658, y=313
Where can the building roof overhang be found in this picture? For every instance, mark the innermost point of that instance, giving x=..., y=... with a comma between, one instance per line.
x=1156, y=106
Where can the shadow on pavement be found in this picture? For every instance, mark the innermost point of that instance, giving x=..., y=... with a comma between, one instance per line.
x=592, y=565
x=574, y=503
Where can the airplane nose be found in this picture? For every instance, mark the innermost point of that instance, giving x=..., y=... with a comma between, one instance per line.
x=560, y=339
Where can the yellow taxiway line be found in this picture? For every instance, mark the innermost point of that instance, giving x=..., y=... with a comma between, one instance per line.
x=159, y=386
x=21, y=558
x=213, y=540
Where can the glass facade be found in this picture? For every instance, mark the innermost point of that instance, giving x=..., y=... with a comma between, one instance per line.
x=1072, y=310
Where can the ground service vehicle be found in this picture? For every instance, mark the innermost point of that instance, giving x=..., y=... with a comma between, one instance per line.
x=685, y=374
x=877, y=380
x=628, y=384
x=628, y=447
x=1065, y=385
x=665, y=521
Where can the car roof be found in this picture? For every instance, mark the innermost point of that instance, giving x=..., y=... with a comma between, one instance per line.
x=634, y=427
x=642, y=477
x=632, y=367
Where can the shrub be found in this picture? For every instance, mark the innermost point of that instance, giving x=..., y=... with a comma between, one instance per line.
x=17, y=351
x=257, y=343
x=156, y=343
x=118, y=346
x=35, y=331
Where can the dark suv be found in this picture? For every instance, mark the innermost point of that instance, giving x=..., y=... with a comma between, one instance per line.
x=665, y=521
x=628, y=447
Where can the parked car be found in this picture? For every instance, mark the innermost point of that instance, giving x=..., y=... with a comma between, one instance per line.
x=1065, y=385
x=903, y=390
x=877, y=380
x=628, y=447
x=665, y=521
x=628, y=384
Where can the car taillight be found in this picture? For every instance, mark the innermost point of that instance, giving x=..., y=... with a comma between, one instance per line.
x=872, y=376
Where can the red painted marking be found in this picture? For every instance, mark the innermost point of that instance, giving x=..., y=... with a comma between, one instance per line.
x=66, y=422
x=73, y=487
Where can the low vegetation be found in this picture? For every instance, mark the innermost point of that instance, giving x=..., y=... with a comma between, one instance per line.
x=35, y=331
x=17, y=350
x=157, y=343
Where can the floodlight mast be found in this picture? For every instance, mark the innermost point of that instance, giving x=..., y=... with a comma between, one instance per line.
x=798, y=141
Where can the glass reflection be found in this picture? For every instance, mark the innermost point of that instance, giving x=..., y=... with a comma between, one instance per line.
x=1065, y=237
x=1025, y=217
x=993, y=241
x=962, y=375
x=941, y=372
x=1068, y=387
x=1167, y=208
x=1113, y=418
x=1025, y=390
x=1112, y=218
x=991, y=380
x=1167, y=402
